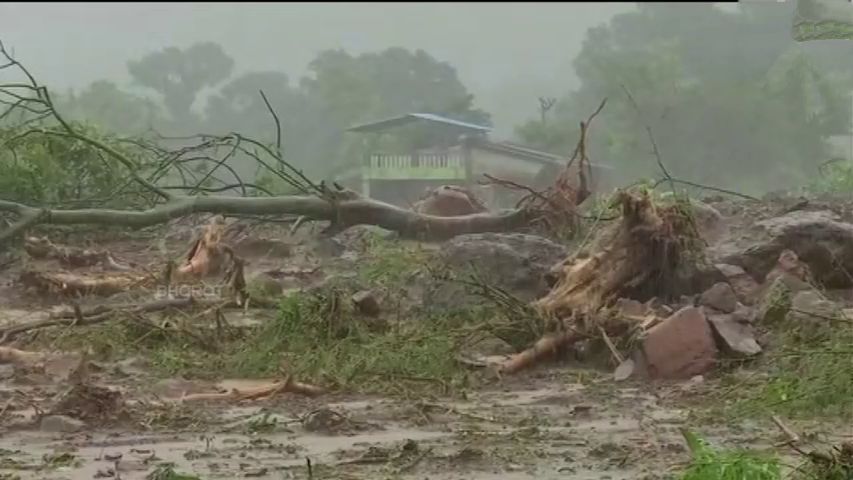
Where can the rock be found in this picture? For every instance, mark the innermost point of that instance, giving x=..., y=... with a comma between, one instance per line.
x=624, y=371
x=721, y=297
x=741, y=282
x=61, y=424
x=734, y=337
x=680, y=347
x=328, y=247
x=515, y=262
x=774, y=302
x=709, y=221
x=264, y=284
x=744, y=314
x=262, y=247
x=818, y=238
x=366, y=303
x=694, y=278
x=813, y=315
x=794, y=273
x=811, y=303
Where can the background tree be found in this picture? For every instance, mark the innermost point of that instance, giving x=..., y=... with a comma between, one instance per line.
x=729, y=96
x=351, y=89
x=179, y=75
x=238, y=106
x=111, y=108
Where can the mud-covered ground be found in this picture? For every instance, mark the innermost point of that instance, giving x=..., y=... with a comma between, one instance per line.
x=558, y=421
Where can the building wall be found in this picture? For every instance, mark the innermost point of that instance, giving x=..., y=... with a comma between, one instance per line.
x=504, y=167
x=495, y=164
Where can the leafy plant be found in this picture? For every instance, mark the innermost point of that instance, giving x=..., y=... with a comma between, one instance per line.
x=710, y=464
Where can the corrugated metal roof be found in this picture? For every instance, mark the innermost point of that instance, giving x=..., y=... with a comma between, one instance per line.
x=413, y=117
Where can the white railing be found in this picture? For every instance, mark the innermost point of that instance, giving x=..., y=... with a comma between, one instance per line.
x=427, y=161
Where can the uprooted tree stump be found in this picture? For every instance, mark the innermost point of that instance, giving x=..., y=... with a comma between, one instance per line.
x=449, y=201
x=208, y=254
x=640, y=257
x=43, y=249
x=208, y=257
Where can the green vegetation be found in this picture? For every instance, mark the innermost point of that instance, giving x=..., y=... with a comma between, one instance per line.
x=317, y=337
x=730, y=101
x=710, y=464
x=809, y=373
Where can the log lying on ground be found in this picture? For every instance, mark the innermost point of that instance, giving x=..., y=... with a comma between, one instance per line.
x=638, y=258
x=343, y=214
x=42, y=248
x=76, y=284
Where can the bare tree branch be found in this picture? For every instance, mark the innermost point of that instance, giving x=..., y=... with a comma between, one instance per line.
x=341, y=207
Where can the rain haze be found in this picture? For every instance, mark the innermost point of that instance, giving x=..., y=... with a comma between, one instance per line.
x=508, y=61
x=506, y=241
x=507, y=54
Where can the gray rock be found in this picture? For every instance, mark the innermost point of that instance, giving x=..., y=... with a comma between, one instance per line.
x=734, y=337
x=812, y=315
x=741, y=282
x=818, y=238
x=61, y=424
x=329, y=247
x=366, y=303
x=721, y=297
x=515, y=262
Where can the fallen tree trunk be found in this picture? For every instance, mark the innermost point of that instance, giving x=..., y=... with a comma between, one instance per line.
x=343, y=214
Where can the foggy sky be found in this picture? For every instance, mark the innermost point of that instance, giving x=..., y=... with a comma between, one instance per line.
x=507, y=54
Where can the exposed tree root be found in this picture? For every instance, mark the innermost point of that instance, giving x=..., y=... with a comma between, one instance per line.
x=78, y=317
x=449, y=201
x=544, y=348
x=18, y=357
x=287, y=385
x=208, y=255
x=73, y=284
x=638, y=258
x=43, y=249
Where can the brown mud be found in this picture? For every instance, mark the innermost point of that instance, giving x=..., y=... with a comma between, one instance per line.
x=540, y=425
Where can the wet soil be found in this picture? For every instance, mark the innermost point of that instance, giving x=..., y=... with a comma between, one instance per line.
x=543, y=425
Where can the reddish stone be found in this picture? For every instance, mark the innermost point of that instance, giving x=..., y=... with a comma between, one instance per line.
x=680, y=347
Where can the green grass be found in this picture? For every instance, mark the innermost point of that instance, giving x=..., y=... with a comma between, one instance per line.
x=710, y=464
x=808, y=373
x=317, y=337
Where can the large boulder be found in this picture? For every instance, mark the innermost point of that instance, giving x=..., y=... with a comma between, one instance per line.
x=517, y=263
x=818, y=238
